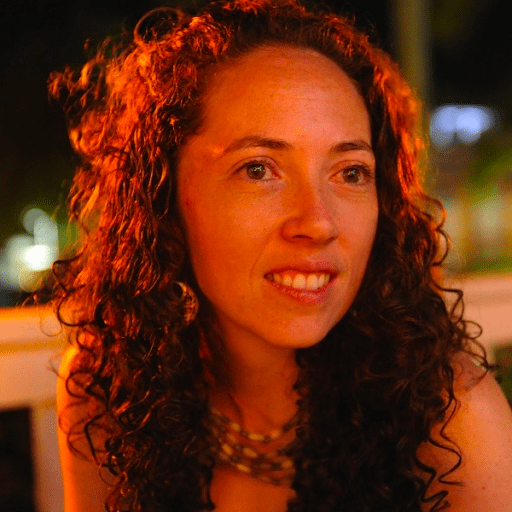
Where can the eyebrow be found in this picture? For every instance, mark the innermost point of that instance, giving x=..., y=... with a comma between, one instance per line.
x=257, y=141
x=253, y=141
x=353, y=145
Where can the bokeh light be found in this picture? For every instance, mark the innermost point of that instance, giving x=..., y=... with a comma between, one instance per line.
x=26, y=256
x=465, y=123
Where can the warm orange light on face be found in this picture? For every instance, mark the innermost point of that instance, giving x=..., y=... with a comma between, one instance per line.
x=277, y=191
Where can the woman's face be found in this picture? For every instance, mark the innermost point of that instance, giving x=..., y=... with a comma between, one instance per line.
x=278, y=196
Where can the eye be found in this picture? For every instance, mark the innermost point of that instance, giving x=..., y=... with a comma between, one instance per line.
x=356, y=175
x=257, y=171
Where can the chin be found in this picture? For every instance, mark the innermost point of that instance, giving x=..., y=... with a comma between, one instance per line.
x=301, y=338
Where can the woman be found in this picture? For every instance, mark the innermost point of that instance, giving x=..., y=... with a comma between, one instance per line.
x=254, y=317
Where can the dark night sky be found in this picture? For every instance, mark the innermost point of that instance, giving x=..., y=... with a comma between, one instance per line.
x=471, y=49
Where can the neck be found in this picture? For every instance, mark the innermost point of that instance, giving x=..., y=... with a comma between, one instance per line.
x=258, y=391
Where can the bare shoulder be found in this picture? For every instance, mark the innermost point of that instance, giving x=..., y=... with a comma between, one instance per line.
x=84, y=490
x=65, y=400
x=481, y=429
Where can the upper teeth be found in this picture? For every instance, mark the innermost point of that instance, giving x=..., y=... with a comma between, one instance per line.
x=301, y=281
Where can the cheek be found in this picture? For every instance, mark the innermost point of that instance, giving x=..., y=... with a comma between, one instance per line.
x=372, y=225
x=364, y=234
x=225, y=240
x=216, y=237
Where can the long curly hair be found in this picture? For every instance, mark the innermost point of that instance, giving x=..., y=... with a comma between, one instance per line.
x=371, y=391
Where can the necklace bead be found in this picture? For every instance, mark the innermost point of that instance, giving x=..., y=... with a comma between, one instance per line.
x=237, y=447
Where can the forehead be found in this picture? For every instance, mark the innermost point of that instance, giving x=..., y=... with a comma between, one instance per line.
x=275, y=63
x=278, y=56
x=282, y=84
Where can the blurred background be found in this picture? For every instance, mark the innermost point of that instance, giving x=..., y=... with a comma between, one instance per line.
x=457, y=56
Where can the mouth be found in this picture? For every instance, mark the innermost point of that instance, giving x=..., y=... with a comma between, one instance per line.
x=309, y=281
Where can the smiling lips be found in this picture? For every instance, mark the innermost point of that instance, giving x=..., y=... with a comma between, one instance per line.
x=309, y=281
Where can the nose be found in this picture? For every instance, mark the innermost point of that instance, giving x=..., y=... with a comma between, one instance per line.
x=311, y=217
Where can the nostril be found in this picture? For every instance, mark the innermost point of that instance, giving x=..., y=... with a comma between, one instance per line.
x=314, y=228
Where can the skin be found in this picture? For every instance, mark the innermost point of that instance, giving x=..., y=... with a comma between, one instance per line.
x=279, y=179
x=482, y=430
x=310, y=205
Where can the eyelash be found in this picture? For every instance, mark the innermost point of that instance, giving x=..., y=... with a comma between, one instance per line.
x=365, y=172
x=257, y=163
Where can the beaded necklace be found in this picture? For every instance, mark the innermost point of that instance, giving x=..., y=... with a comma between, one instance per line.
x=248, y=453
